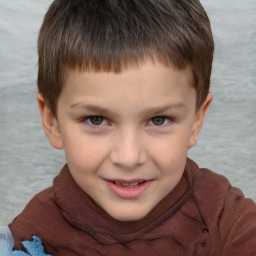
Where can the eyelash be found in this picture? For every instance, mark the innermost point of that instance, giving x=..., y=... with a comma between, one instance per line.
x=167, y=121
x=89, y=122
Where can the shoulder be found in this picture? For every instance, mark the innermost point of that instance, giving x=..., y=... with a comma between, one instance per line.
x=39, y=205
x=40, y=211
x=226, y=211
x=207, y=187
x=215, y=193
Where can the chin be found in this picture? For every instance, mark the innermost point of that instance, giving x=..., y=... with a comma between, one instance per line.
x=128, y=215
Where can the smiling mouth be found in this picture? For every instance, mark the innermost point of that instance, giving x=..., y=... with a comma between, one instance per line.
x=128, y=189
x=128, y=184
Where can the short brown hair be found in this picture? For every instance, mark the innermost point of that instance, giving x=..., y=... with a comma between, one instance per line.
x=110, y=35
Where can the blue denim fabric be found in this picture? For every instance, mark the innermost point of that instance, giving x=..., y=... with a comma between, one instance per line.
x=33, y=248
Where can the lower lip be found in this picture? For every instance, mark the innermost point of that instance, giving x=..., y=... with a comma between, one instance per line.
x=128, y=192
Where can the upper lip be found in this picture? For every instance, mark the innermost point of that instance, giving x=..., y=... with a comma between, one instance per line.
x=127, y=181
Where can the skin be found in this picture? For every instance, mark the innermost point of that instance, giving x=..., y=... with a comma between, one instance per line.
x=136, y=125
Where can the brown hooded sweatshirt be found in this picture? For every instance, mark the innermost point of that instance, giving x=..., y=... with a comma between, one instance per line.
x=203, y=215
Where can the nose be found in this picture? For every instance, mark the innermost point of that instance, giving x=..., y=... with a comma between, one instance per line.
x=128, y=150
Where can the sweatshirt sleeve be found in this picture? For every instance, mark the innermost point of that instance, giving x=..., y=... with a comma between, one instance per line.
x=238, y=222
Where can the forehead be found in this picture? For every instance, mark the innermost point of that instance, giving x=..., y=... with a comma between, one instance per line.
x=150, y=81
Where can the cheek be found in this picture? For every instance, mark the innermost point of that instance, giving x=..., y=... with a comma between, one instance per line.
x=86, y=155
x=170, y=153
x=171, y=147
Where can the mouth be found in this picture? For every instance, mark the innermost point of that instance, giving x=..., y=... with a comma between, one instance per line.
x=128, y=184
x=128, y=189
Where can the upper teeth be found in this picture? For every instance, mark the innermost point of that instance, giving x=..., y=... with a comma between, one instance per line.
x=133, y=184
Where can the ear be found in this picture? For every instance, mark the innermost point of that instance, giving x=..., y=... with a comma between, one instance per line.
x=199, y=119
x=50, y=123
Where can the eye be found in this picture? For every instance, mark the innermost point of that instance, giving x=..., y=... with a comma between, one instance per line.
x=96, y=120
x=159, y=120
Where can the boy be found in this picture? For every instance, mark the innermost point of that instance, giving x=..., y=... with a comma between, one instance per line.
x=123, y=89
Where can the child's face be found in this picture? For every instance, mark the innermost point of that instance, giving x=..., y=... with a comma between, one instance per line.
x=126, y=135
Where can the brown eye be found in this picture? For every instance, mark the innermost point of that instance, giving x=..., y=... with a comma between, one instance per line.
x=158, y=120
x=96, y=120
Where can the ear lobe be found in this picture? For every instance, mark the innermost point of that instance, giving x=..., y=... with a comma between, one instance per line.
x=50, y=123
x=198, y=123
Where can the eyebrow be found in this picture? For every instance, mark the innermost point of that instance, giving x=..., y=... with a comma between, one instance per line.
x=168, y=107
x=92, y=108
x=152, y=111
